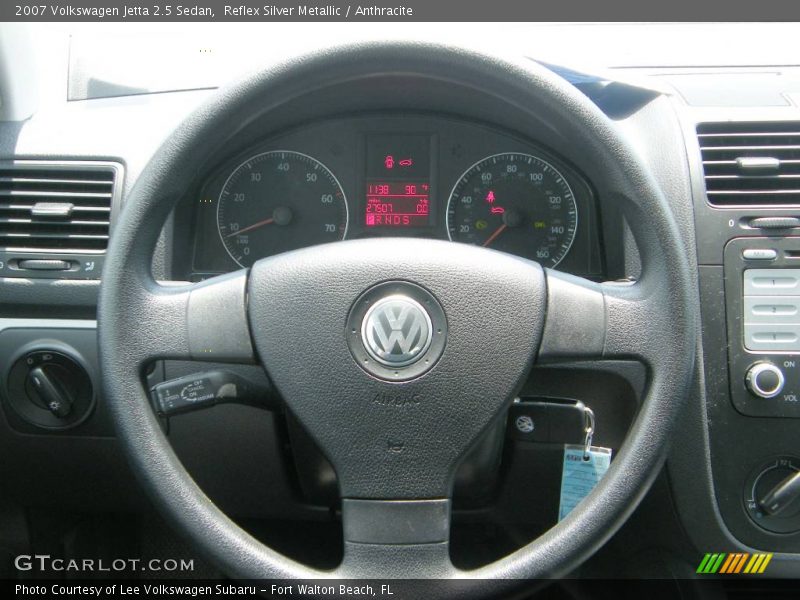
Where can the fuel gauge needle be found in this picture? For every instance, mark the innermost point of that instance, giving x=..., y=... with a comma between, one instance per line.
x=493, y=237
x=251, y=227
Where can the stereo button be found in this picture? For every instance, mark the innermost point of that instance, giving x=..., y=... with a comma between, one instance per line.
x=759, y=254
x=772, y=309
x=771, y=337
x=771, y=282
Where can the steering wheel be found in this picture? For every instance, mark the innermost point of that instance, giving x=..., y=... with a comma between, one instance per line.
x=314, y=319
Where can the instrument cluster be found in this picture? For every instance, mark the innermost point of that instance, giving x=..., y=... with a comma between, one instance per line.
x=414, y=176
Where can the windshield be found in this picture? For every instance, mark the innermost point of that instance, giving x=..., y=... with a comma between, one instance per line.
x=114, y=59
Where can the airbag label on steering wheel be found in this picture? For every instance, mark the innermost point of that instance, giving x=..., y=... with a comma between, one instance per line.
x=580, y=474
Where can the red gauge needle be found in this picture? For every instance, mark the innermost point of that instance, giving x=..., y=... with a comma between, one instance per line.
x=251, y=227
x=492, y=237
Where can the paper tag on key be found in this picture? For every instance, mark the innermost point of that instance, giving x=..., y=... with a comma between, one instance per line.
x=583, y=468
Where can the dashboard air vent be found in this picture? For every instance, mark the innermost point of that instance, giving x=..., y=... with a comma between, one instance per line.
x=61, y=207
x=751, y=163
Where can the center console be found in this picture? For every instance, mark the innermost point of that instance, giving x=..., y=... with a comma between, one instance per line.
x=747, y=215
x=762, y=291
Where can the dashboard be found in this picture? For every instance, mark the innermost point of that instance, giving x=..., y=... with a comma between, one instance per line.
x=409, y=168
x=393, y=175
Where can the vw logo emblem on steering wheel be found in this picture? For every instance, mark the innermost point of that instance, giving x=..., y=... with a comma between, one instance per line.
x=396, y=331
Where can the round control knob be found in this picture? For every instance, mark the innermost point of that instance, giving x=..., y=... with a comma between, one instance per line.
x=772, y=494
x=765, y=380
x=50, y=388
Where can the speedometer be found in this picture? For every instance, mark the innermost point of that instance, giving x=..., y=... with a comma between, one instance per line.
x=516, y=203
x=278, y=201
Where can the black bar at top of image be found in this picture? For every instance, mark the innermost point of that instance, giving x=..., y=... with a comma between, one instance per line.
x=396, y=10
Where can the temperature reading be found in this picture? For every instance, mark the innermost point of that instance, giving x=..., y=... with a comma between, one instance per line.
x=397, y=204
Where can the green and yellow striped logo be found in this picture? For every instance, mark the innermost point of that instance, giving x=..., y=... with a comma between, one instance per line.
x=734, y=564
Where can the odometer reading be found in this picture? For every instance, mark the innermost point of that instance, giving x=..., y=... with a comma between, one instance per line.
x=516, y=203
x=279, y=201
x=397, y=204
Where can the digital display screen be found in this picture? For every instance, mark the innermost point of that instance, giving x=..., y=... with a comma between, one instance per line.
x=398, y=204
x=398, y=181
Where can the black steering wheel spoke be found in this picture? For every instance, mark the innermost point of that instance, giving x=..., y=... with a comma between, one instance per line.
x=205, y=321
x=217, y=326
x=414, y=534
x=591, y=321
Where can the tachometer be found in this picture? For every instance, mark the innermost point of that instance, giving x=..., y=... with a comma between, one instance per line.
x=517, y=203
x=278, y=201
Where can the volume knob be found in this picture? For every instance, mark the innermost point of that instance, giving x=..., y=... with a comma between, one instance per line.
x=765, y=380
